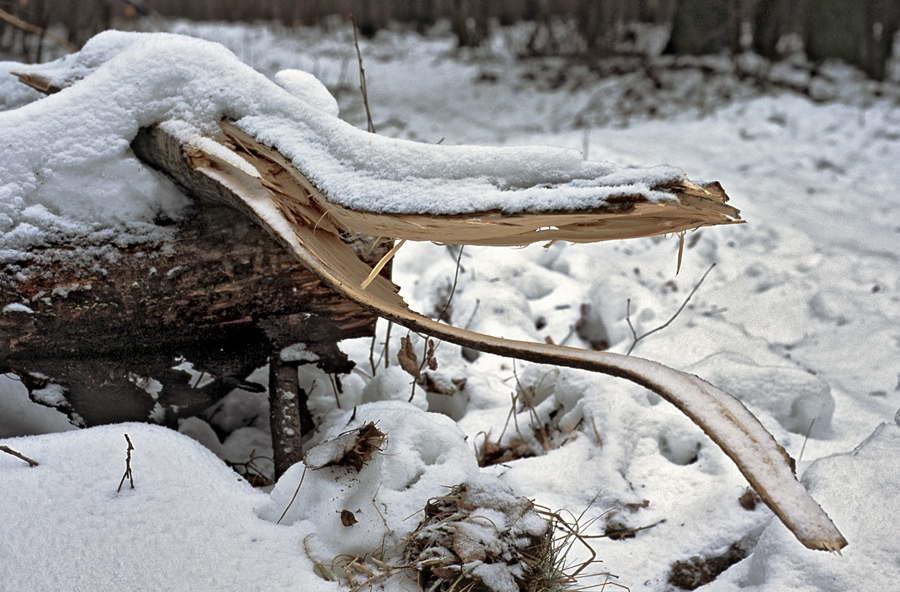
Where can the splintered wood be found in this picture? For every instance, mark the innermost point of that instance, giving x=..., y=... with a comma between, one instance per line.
x=310, y=227
x=621, y=217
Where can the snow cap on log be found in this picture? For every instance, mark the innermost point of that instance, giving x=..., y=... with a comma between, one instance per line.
x=120, y=82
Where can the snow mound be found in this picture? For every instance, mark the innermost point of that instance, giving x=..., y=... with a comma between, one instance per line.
x=307, y=87
x=188, y=516
x=424, y=454
x=801, y=402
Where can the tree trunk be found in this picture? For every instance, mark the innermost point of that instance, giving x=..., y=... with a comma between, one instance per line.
x=836, y=29
x=882, y=24
x=702, y=27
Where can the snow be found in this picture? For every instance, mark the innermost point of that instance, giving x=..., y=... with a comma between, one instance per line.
x=424, y=453
x=157, y=536
x=798, y=319
x=297, y=353
x=869, y=513
x=307, y=87
x=16, y=307
x=12, y=92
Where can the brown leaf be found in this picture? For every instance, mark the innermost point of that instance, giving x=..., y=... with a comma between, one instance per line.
x=749, y=500
x=430, y=360
x=348, y=518
x=407, y=358
x=351, y=449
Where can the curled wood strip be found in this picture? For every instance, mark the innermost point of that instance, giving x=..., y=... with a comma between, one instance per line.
x=762, y=461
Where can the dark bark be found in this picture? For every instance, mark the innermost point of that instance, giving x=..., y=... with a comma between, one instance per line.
x=882, y=24
x=836, y=29
x=221, y=295
x=859, y=32
x=770, y=23
x=288, y=414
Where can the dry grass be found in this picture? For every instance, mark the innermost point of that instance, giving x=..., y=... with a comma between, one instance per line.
x=442, y=554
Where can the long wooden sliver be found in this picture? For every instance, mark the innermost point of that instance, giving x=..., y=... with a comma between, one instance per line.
x=284, y=201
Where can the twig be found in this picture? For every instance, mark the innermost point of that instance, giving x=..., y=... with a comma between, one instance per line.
x=667, y=323
x=568, y=336
x=453, y=287
x=806, y=439
x=337, y=391
x=19, y=455
x=372, y=353
x=387, y=345
x=127, y=474
x=253, y=473
x=431, y=346
x=362, y=77
x=291, y=503
x=381, y=263
x=371, y=127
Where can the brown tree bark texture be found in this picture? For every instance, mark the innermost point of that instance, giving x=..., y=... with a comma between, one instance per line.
x=223, y=295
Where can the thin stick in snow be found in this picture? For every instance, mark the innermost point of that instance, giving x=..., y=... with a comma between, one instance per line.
x=18, y=455
x=294, y=497
x=667, y=323
x=806, y=439
x=362, y=78
x=128, y=473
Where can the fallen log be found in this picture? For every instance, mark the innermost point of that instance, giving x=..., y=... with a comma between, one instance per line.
x=309, y=179
x=157, y=332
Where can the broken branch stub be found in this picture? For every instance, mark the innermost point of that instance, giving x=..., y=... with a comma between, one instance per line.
x=284, y=201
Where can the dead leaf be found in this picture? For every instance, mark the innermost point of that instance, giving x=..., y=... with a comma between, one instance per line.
x=749, y=500
x=351, y=449
x=348, y=518
x=430, y=360
x=407, y=358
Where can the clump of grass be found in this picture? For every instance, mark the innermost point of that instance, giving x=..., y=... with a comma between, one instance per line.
x=477, y=539
x=463, y=544
x=557, y=570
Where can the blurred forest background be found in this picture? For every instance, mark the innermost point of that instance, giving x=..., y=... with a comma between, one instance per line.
x=859, y=32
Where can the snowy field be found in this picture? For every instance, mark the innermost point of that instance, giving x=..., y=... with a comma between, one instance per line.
x=800, y=319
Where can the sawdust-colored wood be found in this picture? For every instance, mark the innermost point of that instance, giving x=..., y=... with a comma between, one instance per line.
x=624, y=217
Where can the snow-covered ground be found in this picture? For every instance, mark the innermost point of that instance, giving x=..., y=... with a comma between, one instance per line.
x=800, y=319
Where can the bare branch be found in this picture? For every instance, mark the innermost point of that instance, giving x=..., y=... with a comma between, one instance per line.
x=362, y=78
x=35, y=30
x=667, y=323
x=764, y=463
x=128, y=473
x=19, y=455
